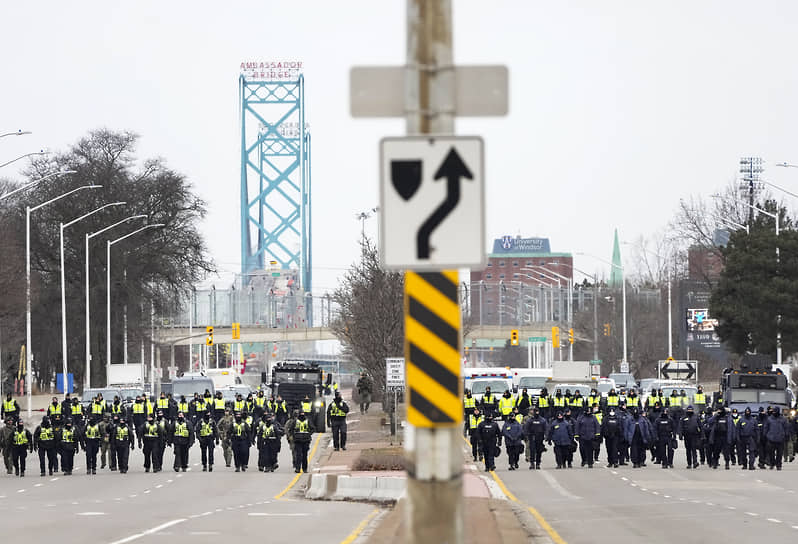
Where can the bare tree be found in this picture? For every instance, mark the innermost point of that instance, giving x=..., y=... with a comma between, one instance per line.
x=371, y=319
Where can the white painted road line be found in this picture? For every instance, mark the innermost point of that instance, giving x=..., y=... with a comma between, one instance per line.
x=90, y=513
x=154, y=530
x=774, y=520
x=289, y=514
x=751, y=514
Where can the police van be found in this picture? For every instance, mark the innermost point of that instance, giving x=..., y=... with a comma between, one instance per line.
x=477, y=380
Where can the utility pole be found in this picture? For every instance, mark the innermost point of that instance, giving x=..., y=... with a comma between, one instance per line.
x=434, y=484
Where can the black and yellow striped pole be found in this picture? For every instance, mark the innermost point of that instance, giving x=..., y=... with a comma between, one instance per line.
x=433, y=446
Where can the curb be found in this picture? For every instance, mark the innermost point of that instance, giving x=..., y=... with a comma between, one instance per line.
x=342, y=487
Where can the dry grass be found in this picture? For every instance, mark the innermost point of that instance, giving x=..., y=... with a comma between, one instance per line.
x=390, y=458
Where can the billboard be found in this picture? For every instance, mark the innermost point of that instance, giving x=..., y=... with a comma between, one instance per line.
x=698, y=328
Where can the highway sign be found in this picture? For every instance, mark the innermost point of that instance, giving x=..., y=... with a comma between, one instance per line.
x=395, y=372
x=670, y=369
x=379, y=91
x=537, y=339
x=432, y=213
x=432, y=349
x=625, y=368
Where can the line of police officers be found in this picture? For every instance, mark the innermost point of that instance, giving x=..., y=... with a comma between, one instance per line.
x=112, y=431
x=628, y=428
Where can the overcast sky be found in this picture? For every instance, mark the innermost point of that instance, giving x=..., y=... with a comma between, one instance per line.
x=617, y=109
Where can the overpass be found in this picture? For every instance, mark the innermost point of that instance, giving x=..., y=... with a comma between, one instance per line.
x=249, y=334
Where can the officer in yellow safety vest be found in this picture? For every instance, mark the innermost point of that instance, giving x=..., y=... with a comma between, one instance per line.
x=239, y=406
x=182, y=438
x=182, y=405
x=632, y=400
x=544, y=402
x=21, y=444
x=54, y=408
x=559, y=402
x=699, y=401
x=67, y=447
x=208, y=436
x=10, y=409
x=506, y=403
x=218, y=407
x=90, y=440
x=307, y=405
x=98, y=405
x=259, y=405
x=163, y=403
x=473, y=422
x=612, y=401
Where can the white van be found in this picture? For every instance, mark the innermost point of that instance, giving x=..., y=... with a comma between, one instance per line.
x=477, y=380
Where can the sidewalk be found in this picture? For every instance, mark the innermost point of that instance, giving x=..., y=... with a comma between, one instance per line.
x=338, y=475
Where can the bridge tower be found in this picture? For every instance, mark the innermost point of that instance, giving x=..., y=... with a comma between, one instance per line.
x=275, y=170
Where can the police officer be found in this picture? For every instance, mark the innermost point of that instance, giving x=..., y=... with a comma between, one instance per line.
x=506, y=404
x=611, y=430
x=721, y=436
x=182, y=406
x=639, y=436
x=139, y=413
x=240, y=436
x=68, y=446
x=121, y=440
x=535, y=430
x=690, y=432
x=218, y=407
x=22, y=443
x=259, y=405
x=240, y=406
x=44, y=440
x=561, y=434
x=10, y=409
x=513, y=435
x=166, y=439
x=469, y=403
x=182, y=437
x=302, y=431
x=153, y=439
x=664, y=433
x=105, y=427
x=225, y=428
x=98, y=407
x=76, y=412
x=208, y=439
x=6, y=434
x=777, y=432
x=280, y=411
x=306, y=406
x=269, y=434
x=747, y=438
x=489, y=403
x=586, y=430
x=490, y=439
x=90, y=440
x=473, y=422
x=336, y=419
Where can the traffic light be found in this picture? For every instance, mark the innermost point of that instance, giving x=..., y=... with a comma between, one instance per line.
x=570, y=336
x=606, y=329
x=236, y=331
x=209, y=339
x=555, y=337
x=514, y=337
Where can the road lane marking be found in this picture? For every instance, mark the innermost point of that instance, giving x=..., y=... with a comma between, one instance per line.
x=361, y=526
x=275, y=514
x=90, y=513
x=555, y=537
x=710, y=504
x=774, y=520
x=624, y=478
x=557, y=487
x=53, y=479
x=20, y=491
x=154, y=530
x=296, y=478
x=751, y=514
x=37, y=485
x=667, y=496
x=731, y=507
x=159, y=486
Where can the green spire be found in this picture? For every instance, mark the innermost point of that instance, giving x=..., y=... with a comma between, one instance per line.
x=616, y=274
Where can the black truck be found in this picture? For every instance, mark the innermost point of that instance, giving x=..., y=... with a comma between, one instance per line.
x=292, y=380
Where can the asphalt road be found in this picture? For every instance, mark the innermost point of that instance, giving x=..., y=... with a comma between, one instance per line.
x=654, y=505
x=193, y=506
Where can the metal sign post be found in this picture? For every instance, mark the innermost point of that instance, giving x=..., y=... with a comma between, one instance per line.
x=435, y=91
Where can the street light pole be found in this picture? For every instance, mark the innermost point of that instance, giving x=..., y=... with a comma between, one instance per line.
x=569, y=307
x=623, y=296
x=61, y=228
x=12, y=161
x=17, y=133
x=109, y=243
x=34, y=183
x=670, y=279
x=89, y=236
x=28, y=334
